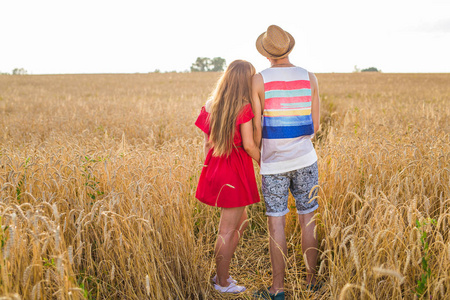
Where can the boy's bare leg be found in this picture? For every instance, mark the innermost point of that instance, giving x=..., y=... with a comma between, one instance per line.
x=309, y=245
x=278, y=251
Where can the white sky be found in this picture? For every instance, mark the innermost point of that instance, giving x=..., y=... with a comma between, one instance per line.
x=100, y=36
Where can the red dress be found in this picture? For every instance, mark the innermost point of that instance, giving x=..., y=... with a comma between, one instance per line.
x=227, y=181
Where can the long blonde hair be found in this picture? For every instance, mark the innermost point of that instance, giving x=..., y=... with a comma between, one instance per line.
x=232, y=93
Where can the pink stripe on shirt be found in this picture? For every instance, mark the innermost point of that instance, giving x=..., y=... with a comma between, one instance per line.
x=276, y=103
x=287, y=85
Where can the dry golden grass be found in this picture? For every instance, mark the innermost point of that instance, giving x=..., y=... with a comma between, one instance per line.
x=98, y=176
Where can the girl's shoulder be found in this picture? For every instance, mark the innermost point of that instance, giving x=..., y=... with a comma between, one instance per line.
x=246, y=114
x=202, y=121
x=208, y=106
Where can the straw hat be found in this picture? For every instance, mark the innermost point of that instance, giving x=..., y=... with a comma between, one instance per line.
x=275, y=43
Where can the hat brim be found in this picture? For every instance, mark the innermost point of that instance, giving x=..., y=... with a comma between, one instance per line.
x=263, y=52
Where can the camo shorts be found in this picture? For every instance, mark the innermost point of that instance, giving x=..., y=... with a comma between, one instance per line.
x=275, y=189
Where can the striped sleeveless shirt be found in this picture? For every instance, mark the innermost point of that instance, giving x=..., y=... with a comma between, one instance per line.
x=287, y=121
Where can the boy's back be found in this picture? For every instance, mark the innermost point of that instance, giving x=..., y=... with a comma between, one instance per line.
x=287, y=125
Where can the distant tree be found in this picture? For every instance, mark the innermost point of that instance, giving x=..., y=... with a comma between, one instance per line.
x=202, y=64
x=157, y=71
x=218, y=64
x=205, y=64
x=20, y=71
x=356, y=69
x=371, y=69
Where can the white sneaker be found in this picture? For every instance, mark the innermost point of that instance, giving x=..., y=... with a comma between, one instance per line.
x=232, y=288
x=230, y=279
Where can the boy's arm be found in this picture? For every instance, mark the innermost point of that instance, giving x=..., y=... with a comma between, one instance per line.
x=315, y=101
x=258, y=106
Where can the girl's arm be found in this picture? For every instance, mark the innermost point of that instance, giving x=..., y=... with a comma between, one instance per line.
x=207, y=145
x=248, y=142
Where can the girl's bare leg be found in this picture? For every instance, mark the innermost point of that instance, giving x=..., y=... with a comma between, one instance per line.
x=233, y=222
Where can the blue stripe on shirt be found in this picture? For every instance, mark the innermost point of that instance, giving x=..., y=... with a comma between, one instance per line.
x=287, y=132
x=287, y=121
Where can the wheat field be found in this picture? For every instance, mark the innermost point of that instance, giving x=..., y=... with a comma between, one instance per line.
x=98, y=175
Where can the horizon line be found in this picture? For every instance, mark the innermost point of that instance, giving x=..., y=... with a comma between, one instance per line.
x=185, y=72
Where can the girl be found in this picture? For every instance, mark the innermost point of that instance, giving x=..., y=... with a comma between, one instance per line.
x=228, y=179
